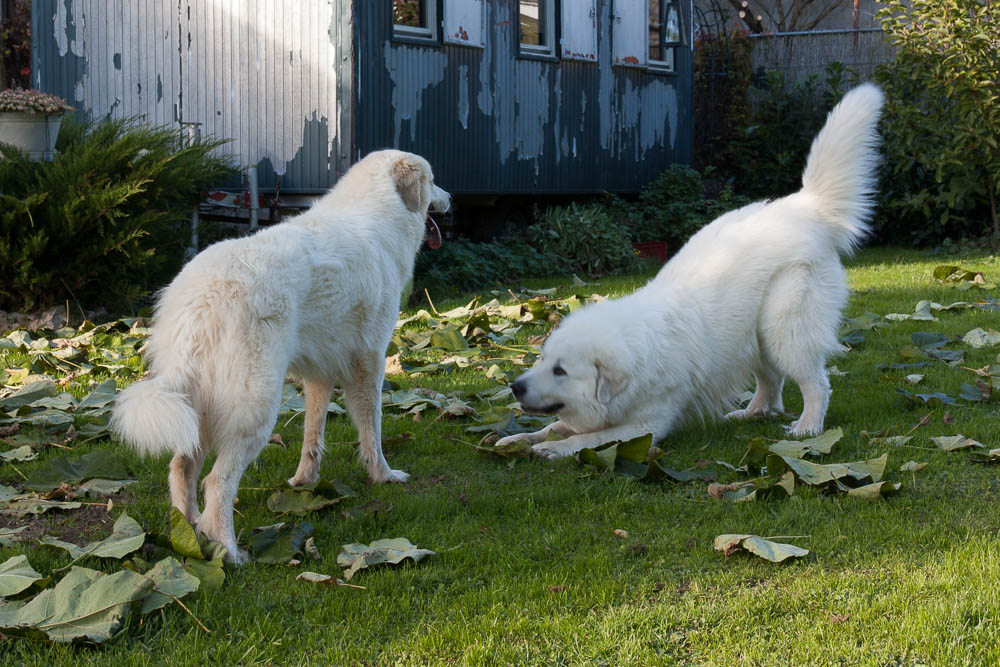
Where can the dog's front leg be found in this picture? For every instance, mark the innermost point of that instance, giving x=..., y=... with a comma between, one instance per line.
x=555, y=449
x=363, y=398
x=556, y=427
x=313, y=443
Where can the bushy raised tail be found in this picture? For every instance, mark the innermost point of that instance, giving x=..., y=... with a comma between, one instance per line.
x=840, y=171
x=155, y=418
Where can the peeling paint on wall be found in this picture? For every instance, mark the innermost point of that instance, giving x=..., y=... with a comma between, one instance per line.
x=68, y=16
x=251, y=71
x=412, y=70
x=557, y=124
x=655, y=117
x=463, y=96
x=608, y=121
x=531, y=89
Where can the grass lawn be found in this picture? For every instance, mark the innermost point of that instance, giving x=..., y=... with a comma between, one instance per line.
x=529, y=568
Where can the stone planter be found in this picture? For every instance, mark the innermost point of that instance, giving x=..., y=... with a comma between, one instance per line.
x=33, y=133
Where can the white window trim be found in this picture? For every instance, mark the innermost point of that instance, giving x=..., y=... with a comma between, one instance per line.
x=413, y=32
x=660, y=65
x=549, y=48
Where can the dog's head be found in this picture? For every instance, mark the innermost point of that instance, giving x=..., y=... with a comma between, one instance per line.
x=578, y=377
x=414, y=183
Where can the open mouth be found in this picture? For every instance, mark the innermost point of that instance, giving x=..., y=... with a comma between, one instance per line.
x=432, y=234
x=545, y=410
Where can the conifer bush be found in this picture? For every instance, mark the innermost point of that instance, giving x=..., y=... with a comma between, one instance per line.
x=104, y=223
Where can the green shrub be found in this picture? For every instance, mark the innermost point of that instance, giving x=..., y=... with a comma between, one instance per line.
x=767, y=155
x=722, y=69
x=672, y=207
x=103, y=224
x=592, y=238
x=942, y=120
x=466, y=266
x=586, y=237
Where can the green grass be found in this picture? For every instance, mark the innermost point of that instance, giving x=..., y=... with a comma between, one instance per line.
x=529, y=569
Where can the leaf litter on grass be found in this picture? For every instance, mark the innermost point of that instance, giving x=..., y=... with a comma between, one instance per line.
x=355, y=557
x=776, y=552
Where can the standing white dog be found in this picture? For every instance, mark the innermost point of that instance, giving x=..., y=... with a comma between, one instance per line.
x=318, y=296
x=760, y=290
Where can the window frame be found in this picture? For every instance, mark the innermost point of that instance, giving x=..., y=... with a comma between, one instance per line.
x=549, y=51
x=668, y=66
x=421, y=35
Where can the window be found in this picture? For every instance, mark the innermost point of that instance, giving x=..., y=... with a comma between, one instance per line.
x=463, y=22
x=537, y=20
x=414, y=18
x=664, y=32
x=578, y=38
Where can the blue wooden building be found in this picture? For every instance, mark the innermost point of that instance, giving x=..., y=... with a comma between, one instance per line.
x=504, y=97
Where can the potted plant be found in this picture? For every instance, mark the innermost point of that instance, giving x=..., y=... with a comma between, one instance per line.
x=30, y=120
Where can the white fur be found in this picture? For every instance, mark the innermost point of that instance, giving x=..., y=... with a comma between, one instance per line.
x=317, y=296
x=758, y=291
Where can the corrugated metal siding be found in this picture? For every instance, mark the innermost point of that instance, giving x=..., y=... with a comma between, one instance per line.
x=275, y=77
x=263, y=73
x=492, y=122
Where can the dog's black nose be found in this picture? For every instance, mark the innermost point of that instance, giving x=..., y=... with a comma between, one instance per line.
x=518, y=389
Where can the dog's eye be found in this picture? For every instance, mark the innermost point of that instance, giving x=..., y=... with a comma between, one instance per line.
x=559, y=370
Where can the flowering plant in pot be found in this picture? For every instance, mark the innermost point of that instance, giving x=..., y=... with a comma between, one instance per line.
x=30, y=119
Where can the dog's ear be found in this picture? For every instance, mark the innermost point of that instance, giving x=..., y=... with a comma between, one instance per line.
x=609, y=383
x=411, y=178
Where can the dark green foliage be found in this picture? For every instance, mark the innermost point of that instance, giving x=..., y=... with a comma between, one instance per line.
x=674, y=206
x=102, y=223
x=942, y=120
x=587, y=237
x=466, y=265
x=722, y=67
x=590, y=239
x=767, y=155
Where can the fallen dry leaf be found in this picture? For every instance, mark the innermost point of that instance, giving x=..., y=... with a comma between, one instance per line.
x=393, y=365
x=718, y=491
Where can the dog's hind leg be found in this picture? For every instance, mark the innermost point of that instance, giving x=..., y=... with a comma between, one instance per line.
x=363, y=398
x=220, y=487
x=815, y=388
x=243, y=427
x=799, y=331
x=767, y=397
x=317, y=402
x=184, y=484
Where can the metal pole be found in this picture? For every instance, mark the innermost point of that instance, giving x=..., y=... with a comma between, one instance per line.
x=193, y=136
x=254, y=198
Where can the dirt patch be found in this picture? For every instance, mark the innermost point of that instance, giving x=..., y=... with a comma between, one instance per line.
x=82, y=525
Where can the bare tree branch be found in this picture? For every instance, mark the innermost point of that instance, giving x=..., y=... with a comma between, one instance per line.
x=749, y=18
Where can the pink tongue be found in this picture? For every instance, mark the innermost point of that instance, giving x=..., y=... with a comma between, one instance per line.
x=433, y=237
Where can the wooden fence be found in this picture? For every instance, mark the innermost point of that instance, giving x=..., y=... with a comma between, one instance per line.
x=798, y=54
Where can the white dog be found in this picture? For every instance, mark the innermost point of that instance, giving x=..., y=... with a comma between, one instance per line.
x=758, y=291
x=317, y=296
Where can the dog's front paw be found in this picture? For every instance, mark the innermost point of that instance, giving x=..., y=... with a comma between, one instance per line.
x=237, y=556
x=389, y=475
x=549, y=450
x=798, y=429
x=302, y=480
x=511, y=439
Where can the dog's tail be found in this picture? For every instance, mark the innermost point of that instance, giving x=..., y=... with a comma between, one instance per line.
x=840, y=171
x=156, y=417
